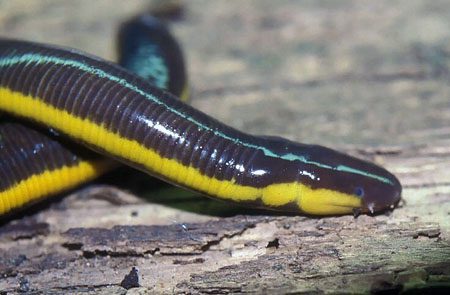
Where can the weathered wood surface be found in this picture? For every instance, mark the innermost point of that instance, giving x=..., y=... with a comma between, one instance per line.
x=370, y=78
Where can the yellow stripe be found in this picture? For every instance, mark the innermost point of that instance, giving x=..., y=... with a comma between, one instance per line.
x=185, y=93
x=321, y=201
x=49, y=183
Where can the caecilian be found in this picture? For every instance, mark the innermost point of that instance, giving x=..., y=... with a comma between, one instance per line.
x=121, y=115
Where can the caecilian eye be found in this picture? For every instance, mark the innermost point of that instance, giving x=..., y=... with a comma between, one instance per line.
x=359, y=191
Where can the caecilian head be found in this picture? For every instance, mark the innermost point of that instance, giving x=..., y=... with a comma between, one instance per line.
x=321, y=181
x=337, y=183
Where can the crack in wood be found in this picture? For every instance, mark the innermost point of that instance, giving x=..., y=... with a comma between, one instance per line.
x=138, y=241
x=427, y=185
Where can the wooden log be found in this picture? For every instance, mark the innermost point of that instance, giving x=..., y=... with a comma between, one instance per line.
x=405, y=249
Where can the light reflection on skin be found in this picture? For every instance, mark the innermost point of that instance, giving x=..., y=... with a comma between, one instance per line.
x=214, y=154
x=38, y=147
x=309, y=174
x=159, y=127
x=259, y=172
x=240, y=167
